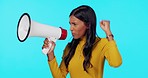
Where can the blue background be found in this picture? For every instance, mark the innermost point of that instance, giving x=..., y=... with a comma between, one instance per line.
x=128, y=18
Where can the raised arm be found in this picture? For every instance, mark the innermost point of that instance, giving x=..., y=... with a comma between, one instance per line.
x=57, y=72
x=111, y=51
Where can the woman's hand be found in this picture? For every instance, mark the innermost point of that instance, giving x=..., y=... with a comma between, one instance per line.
x=105, y=25
x=50, y=53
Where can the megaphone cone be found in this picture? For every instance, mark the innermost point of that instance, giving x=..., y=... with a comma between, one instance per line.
x=28, y=28
x=23, y=27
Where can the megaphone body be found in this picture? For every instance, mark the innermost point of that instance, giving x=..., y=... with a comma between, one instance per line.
x=29, y=28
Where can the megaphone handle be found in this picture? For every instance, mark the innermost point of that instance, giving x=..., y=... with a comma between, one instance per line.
x=45, y=50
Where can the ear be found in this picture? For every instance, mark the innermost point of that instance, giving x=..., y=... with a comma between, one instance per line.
x=87, y=26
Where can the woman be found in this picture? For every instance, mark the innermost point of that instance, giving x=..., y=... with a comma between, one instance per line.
x=84, y=56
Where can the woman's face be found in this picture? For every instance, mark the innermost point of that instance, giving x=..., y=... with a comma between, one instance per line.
x=77, y=27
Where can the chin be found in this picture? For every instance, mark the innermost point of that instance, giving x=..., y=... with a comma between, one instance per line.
x=75, y=37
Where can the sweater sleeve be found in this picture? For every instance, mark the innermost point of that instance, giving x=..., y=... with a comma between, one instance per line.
x=58, y=72
x=112, y=54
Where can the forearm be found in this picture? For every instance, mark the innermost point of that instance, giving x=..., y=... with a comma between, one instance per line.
x=50, y=56
x=109, y=35
x=112, y=54
x=55, y=70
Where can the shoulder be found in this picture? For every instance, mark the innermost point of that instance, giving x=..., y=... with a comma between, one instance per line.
x=100, y=40
x=104, y=43
x=103, y=40
x=101, y=43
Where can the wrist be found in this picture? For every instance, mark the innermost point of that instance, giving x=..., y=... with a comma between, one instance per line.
x=110, y=37
x=50, y=57
x=108, y=33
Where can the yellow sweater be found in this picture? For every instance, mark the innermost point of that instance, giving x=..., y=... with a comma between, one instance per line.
x=103, y=49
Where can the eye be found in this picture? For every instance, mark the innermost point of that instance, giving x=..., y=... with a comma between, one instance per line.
x=73, y=24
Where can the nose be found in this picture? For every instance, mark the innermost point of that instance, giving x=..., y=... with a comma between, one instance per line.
x=71, y=28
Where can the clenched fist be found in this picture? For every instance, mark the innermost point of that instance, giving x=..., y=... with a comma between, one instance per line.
x=105, y=25
x=50, y=53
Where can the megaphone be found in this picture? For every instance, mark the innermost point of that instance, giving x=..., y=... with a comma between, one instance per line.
x=29, y=28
